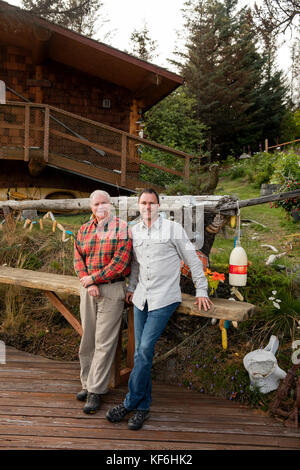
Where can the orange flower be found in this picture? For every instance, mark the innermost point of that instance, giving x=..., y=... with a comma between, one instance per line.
x=213, y=280
x=218, y=277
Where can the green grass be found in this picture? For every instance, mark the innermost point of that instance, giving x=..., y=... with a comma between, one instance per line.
x=277, y=227
x=262, y=279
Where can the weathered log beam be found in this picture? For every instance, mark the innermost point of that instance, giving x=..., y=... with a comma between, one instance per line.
x=211, y=203
x=261, y=200
x=47, y=204
x=122, y=202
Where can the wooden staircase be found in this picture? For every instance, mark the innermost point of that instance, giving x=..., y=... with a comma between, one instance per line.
x=43, y=135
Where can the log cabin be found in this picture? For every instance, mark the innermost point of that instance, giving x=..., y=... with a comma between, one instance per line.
x=69, y=120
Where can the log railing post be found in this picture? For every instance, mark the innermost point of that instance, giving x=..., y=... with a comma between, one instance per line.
x=123, y=159
x=26, y=133
x=46, y=134
x=130, y=339
x=266, y=145
x=187, y=169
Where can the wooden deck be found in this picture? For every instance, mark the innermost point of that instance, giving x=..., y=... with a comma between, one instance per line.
x=44, y=135
x=38, y=410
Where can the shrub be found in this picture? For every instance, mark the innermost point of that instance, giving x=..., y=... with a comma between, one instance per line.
x=286, y=165
x=289, y=205
x=238, y=170
x=265, y=167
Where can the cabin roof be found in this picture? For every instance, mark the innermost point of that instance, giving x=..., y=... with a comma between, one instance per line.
x=46, y=40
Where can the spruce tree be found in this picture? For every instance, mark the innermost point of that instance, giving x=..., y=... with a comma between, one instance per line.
x=78, y=15
x=225, y=72
x=142, y=45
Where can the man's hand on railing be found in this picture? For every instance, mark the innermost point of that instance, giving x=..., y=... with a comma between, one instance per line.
x=204, y=302
x=86, y=281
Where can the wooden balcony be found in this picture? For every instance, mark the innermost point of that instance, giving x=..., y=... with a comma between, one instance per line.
x=43, y=135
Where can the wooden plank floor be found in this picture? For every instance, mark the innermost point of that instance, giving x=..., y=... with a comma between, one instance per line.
x=38, y=410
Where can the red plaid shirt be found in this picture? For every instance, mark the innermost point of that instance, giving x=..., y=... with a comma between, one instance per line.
x=105, y=253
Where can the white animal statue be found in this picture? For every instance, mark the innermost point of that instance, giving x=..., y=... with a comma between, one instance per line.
x=262, y=367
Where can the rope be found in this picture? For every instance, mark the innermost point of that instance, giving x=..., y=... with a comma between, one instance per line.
x=237, y=239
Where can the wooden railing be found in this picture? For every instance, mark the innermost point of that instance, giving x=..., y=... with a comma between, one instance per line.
x=53, y=130
x=267, y=147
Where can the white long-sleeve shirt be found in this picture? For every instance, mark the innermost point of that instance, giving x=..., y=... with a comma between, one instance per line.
x=155, y=268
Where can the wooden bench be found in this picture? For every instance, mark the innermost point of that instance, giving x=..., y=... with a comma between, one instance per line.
x=54, y=285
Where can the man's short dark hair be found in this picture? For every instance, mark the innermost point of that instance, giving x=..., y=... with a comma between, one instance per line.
x=149, y=191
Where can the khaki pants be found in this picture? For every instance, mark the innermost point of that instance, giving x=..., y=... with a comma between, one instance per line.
x=101, y=320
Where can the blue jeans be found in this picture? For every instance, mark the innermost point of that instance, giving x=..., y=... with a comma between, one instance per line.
x=148, y=326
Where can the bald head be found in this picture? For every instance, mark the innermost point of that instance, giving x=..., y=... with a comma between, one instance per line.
x=99, y=192
x=100, y=205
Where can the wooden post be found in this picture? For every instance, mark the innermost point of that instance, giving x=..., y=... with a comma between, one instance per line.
x=38, y=111
x=187, y=169
x=123, y=160
x=115, y=374
x=266, y=145
x=46, y=134
x=26, y=133
x=130, y=339
x=56, y=301
x=120, y=376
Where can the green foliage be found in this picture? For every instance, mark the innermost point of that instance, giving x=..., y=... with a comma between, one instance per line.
x=286, y=165
x=290, y=126
x=32, y=262
x=289, y=205
x=268, y=109
x=262, y=167
x=197, y=183
x=238, y=170
x=257, y=170
x=173, y=122
x=155, y=175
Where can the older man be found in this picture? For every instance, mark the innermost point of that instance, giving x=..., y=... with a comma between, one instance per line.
x=159, y=245
x=102, y=257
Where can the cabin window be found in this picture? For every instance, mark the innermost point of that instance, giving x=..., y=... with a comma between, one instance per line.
x=106, y=103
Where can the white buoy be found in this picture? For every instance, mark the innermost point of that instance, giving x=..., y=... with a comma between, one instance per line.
x=238, y=260
x=238, y=263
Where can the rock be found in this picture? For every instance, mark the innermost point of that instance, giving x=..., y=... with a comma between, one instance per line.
x=267, y=189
